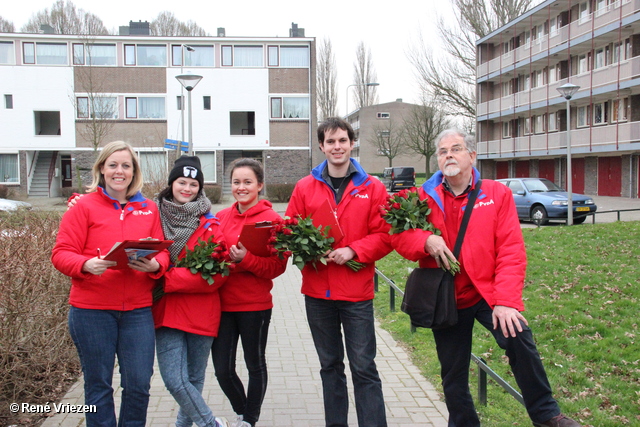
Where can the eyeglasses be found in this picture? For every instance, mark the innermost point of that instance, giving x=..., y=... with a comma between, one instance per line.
x=456, y=149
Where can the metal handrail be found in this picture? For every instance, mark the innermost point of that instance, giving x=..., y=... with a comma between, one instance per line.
x=617, y=211
x=482, y=365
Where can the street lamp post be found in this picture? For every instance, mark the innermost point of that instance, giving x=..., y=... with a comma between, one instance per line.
x=189, y=81
x=346, y=113
x=189, y=49
x=567, y=90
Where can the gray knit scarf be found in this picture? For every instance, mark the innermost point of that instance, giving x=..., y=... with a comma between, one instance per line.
x=180, y=221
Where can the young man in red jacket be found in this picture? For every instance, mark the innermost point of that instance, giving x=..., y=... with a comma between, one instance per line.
x=488, y=286
x=337, y=298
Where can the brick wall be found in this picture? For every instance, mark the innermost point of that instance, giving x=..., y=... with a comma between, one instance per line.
x=286, y=166
x=120, y=79
x=288, y=80
x=285, y=133
x=138, y=133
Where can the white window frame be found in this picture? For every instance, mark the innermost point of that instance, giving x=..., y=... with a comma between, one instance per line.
x=600, y=113
x=5, y=162
x=552, y=122
x=582, y=116
x=208, y=160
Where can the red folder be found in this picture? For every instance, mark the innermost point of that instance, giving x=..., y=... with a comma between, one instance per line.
x=325, y=216
x=255, y=237
x=127, y=250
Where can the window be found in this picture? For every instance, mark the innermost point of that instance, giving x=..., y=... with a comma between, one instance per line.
x=553, y=28
x=583, y=65
x=527, y=126
x=29, y=53
x=242, y=122
x=553, y=73
x=151, y=55
x=129, y=54
x=553, y=122
x=201, y=56
x=619, y=109
x=290, y=107
x=6, y=53
x=583, y=116
x=383, y=115
x=515, y=186
x=506, y=88
x=599, y=59
x=51, y=53
x=78, y=54
x=506, y=129
x=600, y=113
x=227, y=55
x=273, y=56
x=208, y=162
x=154, y=165
x=176, y=55
x=600, y=7
x=47, y=122
x=206, y=102
x=9, y=168
x=97, y=107
x=242, y=56
x=101, y=54
x=584, y=12
x=180, y=102
x=538, y=123
x=8, y=102
x=145, y=108
x=294, y=56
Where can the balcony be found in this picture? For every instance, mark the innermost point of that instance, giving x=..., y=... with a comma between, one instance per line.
x=583, y=140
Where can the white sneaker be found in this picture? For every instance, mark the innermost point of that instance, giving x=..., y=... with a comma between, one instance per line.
x=222, y=422
x=244, y=424
x=238, y=422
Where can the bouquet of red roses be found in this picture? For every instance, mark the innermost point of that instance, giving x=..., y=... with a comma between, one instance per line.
x=405, y=211
x=207, y=258
x=300, y=239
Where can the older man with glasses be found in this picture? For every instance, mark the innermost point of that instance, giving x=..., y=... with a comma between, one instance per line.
x=488, y=286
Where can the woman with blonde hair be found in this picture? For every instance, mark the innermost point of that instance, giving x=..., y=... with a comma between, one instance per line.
x=110, y=314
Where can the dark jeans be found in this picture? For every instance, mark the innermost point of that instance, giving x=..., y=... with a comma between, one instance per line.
x=100, y=335
x=454, y=352
x=327, y=319
x=252, y=327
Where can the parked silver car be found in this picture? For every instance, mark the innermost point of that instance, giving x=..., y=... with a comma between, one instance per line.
x=538, y=199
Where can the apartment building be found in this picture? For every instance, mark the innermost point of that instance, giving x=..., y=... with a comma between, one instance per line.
x=66, y=95
x=381, y=121
x=522, y=118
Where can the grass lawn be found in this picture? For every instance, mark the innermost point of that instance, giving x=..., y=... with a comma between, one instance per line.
x=581, y=296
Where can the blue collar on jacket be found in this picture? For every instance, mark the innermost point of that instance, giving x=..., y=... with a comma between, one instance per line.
x=211, y=219
x=358, y=179
x=138, y=197
x=432, y=183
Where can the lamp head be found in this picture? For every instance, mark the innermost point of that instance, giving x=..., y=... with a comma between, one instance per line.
x=188, y=80
x=567, y=90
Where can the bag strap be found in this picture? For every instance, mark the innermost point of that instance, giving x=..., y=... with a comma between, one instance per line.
x=465, y=219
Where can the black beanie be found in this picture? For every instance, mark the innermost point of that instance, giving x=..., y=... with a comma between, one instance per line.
x=188, y=167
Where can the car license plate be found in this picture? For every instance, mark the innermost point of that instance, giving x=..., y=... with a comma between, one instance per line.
x=399, y=184
x=582, y=209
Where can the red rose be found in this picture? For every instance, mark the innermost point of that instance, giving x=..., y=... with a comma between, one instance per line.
x=287, y=232
x=232, y=266
x=288, y=253
x=396, y=206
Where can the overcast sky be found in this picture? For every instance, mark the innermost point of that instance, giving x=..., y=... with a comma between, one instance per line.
x=388, y=28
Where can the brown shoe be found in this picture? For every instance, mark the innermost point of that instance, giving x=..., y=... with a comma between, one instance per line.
x=559, y=421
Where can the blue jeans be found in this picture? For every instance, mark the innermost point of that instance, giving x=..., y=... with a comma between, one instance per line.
x=183, y=359
x=327, y=319
x=252, y=327
x=100, y=336
x=454, y=352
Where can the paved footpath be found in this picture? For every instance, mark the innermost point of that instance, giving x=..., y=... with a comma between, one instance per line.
x=294, y=394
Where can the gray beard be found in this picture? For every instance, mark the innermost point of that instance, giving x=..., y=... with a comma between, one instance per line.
x=451, y=170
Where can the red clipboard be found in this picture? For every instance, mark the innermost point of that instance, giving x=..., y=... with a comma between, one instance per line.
x=255, y=237
x=127, y=250
x=325, y=216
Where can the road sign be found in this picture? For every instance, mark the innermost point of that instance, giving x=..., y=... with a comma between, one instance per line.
x=172, y=144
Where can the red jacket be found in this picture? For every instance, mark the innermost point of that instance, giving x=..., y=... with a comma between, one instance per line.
x=364, y=231
x=249, y=286
x=493, y=249
x=98, y=221
x=190, y=304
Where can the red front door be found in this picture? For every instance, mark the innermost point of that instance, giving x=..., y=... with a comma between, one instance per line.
x=610, y=176
x=502, y=170
x=577, y=169
x=522, y=169
x=546, y=169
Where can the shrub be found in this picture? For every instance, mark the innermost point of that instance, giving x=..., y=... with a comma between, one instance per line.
x=213, y=192
x=38, y=360
x=66, y=192
x=280, y=193
x=4, y=191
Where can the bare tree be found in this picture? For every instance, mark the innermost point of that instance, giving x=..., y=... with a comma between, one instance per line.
x=421, y=126
x=388, y=139
x=64, y=18
x=96, y=108
x=166, y=24
x=452, y=78
x=327, y=83
x=6, y=26
x=363, y=73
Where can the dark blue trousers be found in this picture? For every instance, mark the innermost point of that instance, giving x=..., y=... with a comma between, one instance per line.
x=454, y=352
